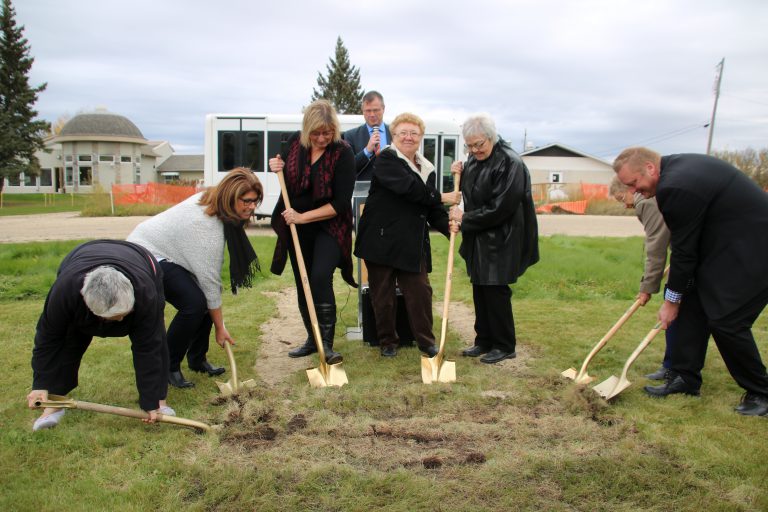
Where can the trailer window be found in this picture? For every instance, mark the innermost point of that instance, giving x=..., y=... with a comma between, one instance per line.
x=450, y=148
x=276, y=142
x=228, y=147
x=240, y=149
x=252, y=154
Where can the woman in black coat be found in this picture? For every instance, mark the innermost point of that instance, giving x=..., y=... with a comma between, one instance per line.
x=393, y=235
x=499, y=234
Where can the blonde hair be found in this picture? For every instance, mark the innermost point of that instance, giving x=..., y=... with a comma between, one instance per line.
x=220, y=200
x=635, y=157
x=407, y=117
x=318, y=115
x=617, y=188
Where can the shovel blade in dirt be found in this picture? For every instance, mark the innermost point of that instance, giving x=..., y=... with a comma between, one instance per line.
x=613, y=385
x=233, y=385
x=327, y=375
x=581, y=376
x=437, y=369
x=572, y=374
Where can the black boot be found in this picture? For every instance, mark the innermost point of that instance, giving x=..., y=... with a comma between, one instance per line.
x=326, y=318
x=309, y=346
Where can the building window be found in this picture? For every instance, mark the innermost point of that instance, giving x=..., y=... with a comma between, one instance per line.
x=85, y=176
x=29, y=180
x=69, y=176
x=125, y=159
x=84, y=158
x=46, y=177
x=137, y=174
x=107, y=158
x=14, y=180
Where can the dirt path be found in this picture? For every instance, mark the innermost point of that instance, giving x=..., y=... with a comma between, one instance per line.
x=70, y=226
x=284, y=331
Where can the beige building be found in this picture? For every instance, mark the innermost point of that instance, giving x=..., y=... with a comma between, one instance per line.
x=95, y=150
x=559, y=164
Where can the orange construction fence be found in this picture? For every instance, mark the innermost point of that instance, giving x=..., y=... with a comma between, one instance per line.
x=569, y=197
x=151, y=193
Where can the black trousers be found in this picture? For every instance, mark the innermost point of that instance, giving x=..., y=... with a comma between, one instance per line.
x=417, y=294
x=494, y=323
x=190, y=329
x=322, y=255
x=733, y=337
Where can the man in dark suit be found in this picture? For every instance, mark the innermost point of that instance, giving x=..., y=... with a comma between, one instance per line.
x=369, y=138
x=718, y=278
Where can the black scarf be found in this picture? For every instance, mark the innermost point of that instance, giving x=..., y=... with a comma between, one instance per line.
x=243, y=262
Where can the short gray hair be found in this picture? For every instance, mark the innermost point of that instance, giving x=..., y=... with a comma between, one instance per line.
x=107, y=292
x=480, y=124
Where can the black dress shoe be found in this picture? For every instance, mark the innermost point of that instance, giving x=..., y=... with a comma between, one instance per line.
x=431, y=351
x=671, y=387
x=208, y=368
x=388, y=351
x=496, y=355
x=753, y=404
x=659, y=374
x=474, y=351
x=176, y=379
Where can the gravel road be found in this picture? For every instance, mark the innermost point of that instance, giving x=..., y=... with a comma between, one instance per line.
x=70, y=226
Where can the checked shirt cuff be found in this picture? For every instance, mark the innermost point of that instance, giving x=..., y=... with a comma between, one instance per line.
x=672, y=296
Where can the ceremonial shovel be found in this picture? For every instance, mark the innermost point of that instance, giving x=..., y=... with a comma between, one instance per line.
x=582, y=377
x=437, y=368
x=62, y=402
x=613, y=385
x=233, y=385
x=325, y=374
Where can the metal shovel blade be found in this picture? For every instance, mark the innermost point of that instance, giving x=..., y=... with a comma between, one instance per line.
x=613, y=385
x=327, y=375
x=233, y=385
x=572, y=374
x=437, y=369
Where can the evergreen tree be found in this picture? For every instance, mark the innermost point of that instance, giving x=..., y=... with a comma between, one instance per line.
x=342, y=85
x=20, y=134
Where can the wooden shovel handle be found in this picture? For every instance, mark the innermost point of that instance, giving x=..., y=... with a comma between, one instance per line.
x=448, y=280
x=304, y=279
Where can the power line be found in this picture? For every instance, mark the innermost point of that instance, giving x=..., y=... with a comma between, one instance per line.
x=657, y=138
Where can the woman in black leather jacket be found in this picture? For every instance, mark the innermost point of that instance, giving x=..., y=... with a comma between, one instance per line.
x=499, y=234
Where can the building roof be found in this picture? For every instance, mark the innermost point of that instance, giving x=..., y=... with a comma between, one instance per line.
x=176, y=163
x=557, y=149
x=100, y=124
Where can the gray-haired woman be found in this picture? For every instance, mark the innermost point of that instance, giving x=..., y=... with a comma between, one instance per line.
x=499, y=233
x=103, y=288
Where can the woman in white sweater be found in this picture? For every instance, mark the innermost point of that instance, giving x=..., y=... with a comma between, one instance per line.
x=188, y=240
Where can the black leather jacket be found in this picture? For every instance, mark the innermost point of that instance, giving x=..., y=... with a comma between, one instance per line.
x=500, y=237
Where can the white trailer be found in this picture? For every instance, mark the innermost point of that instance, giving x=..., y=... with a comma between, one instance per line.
x=245, y=140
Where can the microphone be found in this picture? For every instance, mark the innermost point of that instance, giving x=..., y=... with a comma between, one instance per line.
x=376, y=132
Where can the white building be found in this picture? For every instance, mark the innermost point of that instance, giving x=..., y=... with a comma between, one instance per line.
x=94, y=151
x=559, y=164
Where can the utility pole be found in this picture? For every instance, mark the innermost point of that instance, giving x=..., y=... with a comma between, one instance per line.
x=718, y=79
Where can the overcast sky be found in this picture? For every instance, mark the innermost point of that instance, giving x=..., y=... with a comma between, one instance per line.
x=594, y=75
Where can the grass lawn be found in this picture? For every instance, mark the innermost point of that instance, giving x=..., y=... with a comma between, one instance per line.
x=509, y=437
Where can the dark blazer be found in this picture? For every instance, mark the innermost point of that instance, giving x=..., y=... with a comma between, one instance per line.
x=358, y=138
x=718, y=218
x=65, y=316
x=500, y=237
x=393, y=228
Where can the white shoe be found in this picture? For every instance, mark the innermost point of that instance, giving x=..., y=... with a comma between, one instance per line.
x=167, y=411
x=49, y=421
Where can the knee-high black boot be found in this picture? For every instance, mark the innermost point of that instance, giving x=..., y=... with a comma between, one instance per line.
x=309, y=346
x=326, y=318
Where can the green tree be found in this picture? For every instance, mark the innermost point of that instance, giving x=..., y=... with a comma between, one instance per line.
x=342, y=85
x=753, y=163
x=20, y=134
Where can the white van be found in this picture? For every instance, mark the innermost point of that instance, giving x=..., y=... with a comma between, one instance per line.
x=245, y=140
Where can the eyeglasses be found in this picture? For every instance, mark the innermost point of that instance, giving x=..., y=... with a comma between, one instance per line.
x=403, y=134
x=477, y=146
x=249, y=200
